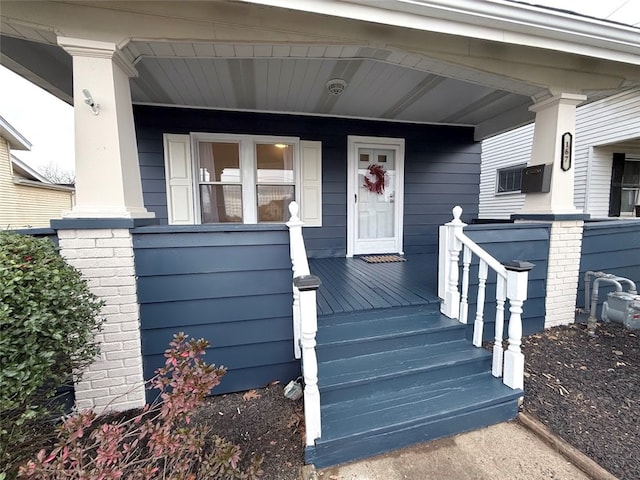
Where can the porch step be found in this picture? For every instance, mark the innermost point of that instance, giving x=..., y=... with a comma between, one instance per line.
x=397, y=369
x=393, y=377
x=341, y=336
x=363, y=427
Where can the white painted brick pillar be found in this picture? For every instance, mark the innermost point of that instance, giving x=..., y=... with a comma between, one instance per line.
x=105, y=259
x=565, y=248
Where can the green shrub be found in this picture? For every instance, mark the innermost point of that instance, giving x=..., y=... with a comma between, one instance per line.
x=48, y=318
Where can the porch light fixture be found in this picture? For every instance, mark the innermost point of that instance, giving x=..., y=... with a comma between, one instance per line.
x=88, y=99
x=336, y=86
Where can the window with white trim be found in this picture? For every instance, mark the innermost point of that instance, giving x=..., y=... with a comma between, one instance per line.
x=509, y=180
x=630, y=187
x=220, y=178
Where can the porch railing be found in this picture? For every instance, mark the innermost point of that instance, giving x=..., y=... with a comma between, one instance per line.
x=511, y=284
x=305, y=324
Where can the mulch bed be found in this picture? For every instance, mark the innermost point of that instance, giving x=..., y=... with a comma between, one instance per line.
x=587, y=391
x=262, y=422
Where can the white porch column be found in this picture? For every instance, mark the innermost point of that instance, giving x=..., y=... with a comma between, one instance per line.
x=555, y=116
x=108, y=181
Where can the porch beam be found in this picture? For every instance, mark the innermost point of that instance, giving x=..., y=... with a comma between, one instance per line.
x=108, y=183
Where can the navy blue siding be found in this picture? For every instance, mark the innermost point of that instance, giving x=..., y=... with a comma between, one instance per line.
x=49, y=233
x=230, y=286
x=512, y=242
x=611, y=247
x=442, y=167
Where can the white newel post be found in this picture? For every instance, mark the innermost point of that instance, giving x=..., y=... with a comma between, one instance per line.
x=307, y=286
x=517, y=281
x=450, y=306
x=299, y=266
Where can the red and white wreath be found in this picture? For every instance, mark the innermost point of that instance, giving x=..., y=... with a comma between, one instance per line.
x=375, y=181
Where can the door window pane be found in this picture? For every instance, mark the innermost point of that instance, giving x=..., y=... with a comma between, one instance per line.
x=273, y=202
x=221, y=203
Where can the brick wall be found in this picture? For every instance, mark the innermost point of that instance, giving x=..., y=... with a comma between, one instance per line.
x=562, y=275
x=105, y=258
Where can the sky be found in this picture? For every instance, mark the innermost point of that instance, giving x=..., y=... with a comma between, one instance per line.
x=48, y=122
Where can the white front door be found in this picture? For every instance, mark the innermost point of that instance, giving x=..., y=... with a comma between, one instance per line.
x=374, y=195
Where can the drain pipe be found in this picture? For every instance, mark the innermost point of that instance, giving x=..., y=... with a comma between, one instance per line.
x=604, y=278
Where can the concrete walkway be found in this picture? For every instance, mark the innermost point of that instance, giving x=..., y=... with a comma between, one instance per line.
x=507, y=450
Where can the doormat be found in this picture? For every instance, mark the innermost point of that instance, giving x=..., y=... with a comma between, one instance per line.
x=383, y=258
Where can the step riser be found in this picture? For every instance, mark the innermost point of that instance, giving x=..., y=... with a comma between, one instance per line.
x=402, y=380
x=325, y=454
x=334, y=352
x=427, y=312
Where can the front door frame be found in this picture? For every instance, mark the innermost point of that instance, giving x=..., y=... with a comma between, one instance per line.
x=353, y=143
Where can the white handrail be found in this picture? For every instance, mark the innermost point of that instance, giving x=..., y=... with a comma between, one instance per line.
x=305, y=324
x=512, y=280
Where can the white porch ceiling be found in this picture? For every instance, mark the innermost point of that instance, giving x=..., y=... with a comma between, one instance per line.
x=381, y=83
x=391, y=73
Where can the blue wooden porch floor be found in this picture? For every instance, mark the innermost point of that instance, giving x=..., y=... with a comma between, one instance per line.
x=351, y=284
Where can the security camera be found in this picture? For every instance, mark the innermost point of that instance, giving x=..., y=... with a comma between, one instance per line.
x=88, y=99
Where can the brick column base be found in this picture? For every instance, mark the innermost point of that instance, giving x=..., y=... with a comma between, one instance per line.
x=565, y=249
x=105, y=259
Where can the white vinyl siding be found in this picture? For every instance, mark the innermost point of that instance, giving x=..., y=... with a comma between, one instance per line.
x=599, y=125
x=502, y=151
x=604, y=127
x=28, y=205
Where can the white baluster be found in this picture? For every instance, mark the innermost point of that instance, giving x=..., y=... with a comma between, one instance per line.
x=478, y=324
x=517, y=279
x=307, y=285
x=498, y=351
x=464, y=300
x=451, y=304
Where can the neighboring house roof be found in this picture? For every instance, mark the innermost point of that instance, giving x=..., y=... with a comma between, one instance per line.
x=25, y=171
x=16, y=140
x=25, y=175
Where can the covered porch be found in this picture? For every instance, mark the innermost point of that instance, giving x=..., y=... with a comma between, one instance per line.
x=421, y=83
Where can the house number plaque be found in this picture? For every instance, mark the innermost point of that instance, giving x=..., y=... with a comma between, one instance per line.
x=565, y=160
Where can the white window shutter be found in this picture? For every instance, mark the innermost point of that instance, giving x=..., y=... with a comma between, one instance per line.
x=177, y=167
x=311, y=175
